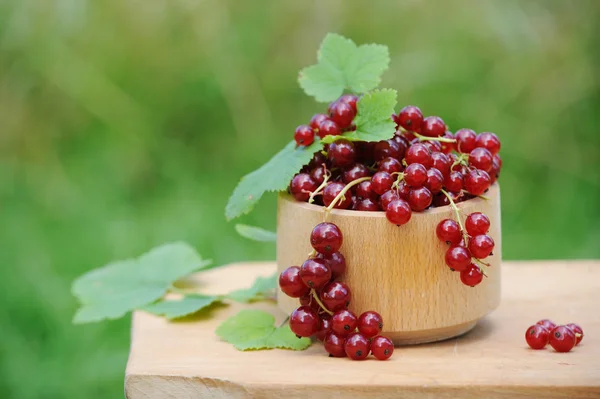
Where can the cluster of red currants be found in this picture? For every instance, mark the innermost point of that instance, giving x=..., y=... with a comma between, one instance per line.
x=561, y=338
x=468, y=245
x=324, y=302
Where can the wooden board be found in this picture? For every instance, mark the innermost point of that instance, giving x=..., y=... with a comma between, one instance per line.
x=186, y=360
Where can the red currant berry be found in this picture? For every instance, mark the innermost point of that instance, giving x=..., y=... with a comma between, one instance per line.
x=477, y=182
x=435, y=180
x=317, y=160
x=448, y=231
x=308, y=300
x=324, y=327
x=382, y=347
x=326, y=238
x=481, y=158
x=448, y=147
x=337, y=263
x=398, y=212
x=489, y=141
x=357, y=347
x=434, y=146
x=458, y=258
x=403, y=190
x=342, y=114
x=364, y=190
x=336, y=296
x=334, y=345
x=419, y=153
x=387, y=148
x=291, y=283
x=316, y=120
x=562, y=339
x=368, y=205
x=302, y=186
x=318, y=174
x=410, y=118
x=537, y=336
x=341, y=153
x=381, y=182
x=454, y=182
x=328, y=128
x=465, y=140
x=357, y=171
x=433, y=126
x=315, y=273
x=415, y=175
x=548, y=324
x=370, y=324
x=495, y=170
x=419, y=199
x=477, y=223
x=390, y=165
x=441, y=162
x=304, y=322
x=343, y=322
x=471, y=276
x=481, y=246
x=349, y=99
x=304, y=135
x=577, y=330
x=387, y=197
x=331, y=191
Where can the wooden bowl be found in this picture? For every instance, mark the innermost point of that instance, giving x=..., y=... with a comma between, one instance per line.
x=398, y=271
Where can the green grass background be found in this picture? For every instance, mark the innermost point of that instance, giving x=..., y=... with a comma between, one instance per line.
x=125, y=124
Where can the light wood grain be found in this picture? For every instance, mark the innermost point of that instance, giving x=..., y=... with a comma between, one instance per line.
x=186, y=360
x=398, y=271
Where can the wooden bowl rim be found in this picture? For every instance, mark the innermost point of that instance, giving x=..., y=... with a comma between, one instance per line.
x=492, y=192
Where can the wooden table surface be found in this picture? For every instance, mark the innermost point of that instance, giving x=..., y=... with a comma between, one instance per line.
x=185, y=359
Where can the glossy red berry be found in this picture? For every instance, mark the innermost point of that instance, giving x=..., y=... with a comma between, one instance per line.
x=328, y=128
x=334, y=345
x=331, y=191
x=304, y=135
x=435, y=180
x=337, y=263
x=336, y=296
x=477, y=182
x=537, y=336
x=419, y=153
x=481, y=158
x=403, y=190
x=387, y=197
x=448, y=231
x=410, y=118
x=315, y=273
x=415, y=175
x=577, y=330
x=419, y=199
x=562, y=339
x=441, y=162
x=465, y=140
x=368, y=205
x=318, y=174
x=291, y=283
x=477, y=223
x=387, y=148
x=365, y=190
x=381, y=182
x=489, y=141
x=302, y=186
x=398, y=212
x=357, y=346
x=390, y=165
x=356, y=171
x=304, y=321
x=324, y=327
x=548, y=324
x=349, y=99
x=341, y=113
x=382, y=347
x=471, y=276
x=316, y=120
x=454, y=182
x=326, y=238
x=343, y=322
x=370, y=324
x=433, y=126
x=458, y=258
x=481, y=246
x=341, y=153
x=448, y=147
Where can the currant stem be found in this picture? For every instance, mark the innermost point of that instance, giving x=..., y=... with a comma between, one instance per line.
x=342, y=193
x=316, y=297
x=440, y=139
x=319, y=189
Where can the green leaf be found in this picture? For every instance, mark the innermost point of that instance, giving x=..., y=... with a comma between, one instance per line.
x=255, y=233
x=112, y=291
x=275, y=175
x=188, y=305
x=341, y=64
x=255, y=329
x=259, y=289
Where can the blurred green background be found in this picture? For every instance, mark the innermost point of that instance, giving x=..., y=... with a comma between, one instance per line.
x=127, y=123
